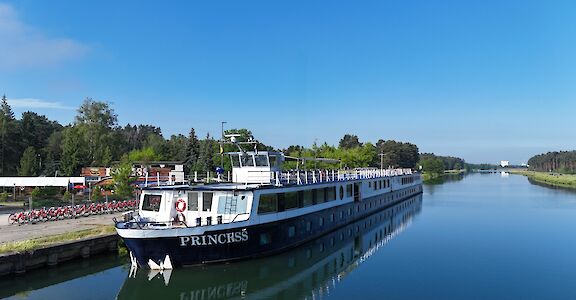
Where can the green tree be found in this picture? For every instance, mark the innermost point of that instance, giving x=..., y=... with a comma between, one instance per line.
x=96, y=121
x=206, y=155
x=123, y=180
x=97, y=193
x=9, y=140
x=176, y=148
x=144, y=155
x=73, y=152
x=432, y=165
x=192, y=151
x=157, y=143
x=28, y=164
x=349, y=141
x=107, y=156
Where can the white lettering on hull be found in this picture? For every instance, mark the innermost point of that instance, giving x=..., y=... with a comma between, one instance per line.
x=214, y=239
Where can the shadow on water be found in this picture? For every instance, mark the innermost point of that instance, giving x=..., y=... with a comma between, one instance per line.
x=21, y=285
x=310, y=270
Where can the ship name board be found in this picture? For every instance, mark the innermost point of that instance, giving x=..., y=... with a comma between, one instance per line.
x=214, y=239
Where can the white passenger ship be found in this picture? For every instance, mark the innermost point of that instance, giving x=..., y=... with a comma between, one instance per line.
x=264, y=210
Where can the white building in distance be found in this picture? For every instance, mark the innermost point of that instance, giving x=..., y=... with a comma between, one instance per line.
x=504, y=163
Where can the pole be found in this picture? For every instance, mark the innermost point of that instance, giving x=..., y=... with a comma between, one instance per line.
x=221, y=140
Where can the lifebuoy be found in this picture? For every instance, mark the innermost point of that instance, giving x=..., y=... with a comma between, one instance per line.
x=180, y=205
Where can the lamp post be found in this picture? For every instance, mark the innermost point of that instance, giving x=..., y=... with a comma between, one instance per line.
x=221, y=144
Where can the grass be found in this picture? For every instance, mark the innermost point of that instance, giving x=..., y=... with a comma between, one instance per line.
x=37, y=243
x=15, y=203
x=556, y=179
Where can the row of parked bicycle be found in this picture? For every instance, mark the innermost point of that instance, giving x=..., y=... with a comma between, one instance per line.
x=70, y=212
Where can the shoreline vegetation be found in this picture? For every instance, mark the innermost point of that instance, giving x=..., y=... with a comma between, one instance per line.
x=433, y=176
x=37, y=243
x=554, y=179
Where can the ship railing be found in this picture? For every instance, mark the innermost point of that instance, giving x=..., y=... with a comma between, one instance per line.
x=196, y=222
x=301, y=177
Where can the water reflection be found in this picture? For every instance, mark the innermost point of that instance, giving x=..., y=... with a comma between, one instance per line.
x=33, y=283
x=307, y=272
x=445, y=178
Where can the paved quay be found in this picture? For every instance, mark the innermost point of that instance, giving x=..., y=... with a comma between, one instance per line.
x=11, y=233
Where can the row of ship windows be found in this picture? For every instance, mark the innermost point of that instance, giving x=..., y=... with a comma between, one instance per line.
x=379, y=184
x=278, y=202
x=265, y=238
x=407, y=180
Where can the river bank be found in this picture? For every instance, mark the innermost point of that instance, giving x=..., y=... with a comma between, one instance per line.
x=39, y=245
x=554, y=179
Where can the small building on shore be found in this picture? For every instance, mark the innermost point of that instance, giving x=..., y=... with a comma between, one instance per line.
x=144, y=171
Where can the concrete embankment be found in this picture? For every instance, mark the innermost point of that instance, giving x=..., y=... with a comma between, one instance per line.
x=20, y=262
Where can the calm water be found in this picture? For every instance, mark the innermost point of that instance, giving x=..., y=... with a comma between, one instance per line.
x=484, y=236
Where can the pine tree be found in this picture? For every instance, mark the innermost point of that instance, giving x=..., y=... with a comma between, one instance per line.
x=192, y=152
x=73, y=153
x=9, y=150
x=28, y=166
x=205, y=155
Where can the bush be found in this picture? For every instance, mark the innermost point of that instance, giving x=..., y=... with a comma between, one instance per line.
x=97, y=193
x=3, y=196
x=67, y=196
x=36, y=193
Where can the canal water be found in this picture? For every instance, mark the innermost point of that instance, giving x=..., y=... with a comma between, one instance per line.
x=481, y=236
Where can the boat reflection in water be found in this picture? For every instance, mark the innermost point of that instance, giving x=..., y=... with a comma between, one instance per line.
x=308, y=271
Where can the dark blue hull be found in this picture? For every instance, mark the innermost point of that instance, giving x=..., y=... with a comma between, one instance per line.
x=263, y=239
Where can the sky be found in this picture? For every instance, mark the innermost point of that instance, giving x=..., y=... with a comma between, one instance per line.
x=482, y=80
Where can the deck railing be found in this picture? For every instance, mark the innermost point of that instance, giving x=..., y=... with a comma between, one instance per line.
x=300, y=177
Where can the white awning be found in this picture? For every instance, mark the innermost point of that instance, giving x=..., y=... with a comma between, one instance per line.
x=40, y=181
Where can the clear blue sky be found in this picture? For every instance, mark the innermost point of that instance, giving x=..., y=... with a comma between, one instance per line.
x=482, y=80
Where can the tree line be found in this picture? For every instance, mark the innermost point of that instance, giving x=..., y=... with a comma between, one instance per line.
x=34, y=145
x=557, y=161
x=437, y=164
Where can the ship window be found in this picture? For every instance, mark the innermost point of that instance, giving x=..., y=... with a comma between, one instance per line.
x=193, y=201
x=207, y=201
x=247, y=160
x=307, y=198
x=379, y=184
x=321, y=222
x=290, y=200
x=369, y=184
x=151, y=202
x=348, y=190
x=341, y=192
x=235, y=160
x=375, y=186
x=291, y=231
x=273, y=160
x=330, y=193
x=357, y=192
x=261, y=160
x=268, y=203
x=229, y=204
x=320, y=196
x=308, y=226
x=264, y=238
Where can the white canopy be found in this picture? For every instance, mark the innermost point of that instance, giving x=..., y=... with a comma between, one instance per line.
x=40, y=181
